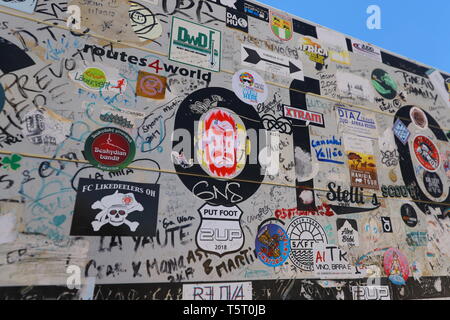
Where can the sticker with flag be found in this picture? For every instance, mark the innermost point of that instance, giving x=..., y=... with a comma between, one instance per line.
x=281, y=26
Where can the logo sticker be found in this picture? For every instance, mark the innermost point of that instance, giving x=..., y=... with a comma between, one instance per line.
x=250, y=87
x=304, y=232
x=426, y=153
x=387, y=224
x=433, y=184
x=151, y=86
x=110, y=149
x=44, y=127
x=396, y=266
x=304, y=116
x=96, y=78
x=366, y=50
x=237, y=20
x=401, y=131
x=256, y=11
x=384, y=84
x=272, y=245
x=115, y=208
x=314, y=50
x=195, y=45
x=281, y=26
x=409, y=215
x=220, y=231
x=347, y=230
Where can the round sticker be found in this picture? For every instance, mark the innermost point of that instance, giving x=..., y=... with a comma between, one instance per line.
x=272, y=245
x=409, y=215
x=250, y=87
x=396, y=266
x=218, y=123
x=110, y=149
x=94, y=78
x=304, y=232
x=2, y=97
x=426, y=153
x=433, y=184
x=384, y=84
x=419, y=118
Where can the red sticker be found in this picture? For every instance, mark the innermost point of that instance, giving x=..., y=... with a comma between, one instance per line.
x=426, y=153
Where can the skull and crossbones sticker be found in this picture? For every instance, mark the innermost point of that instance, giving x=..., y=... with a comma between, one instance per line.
x=115, y=209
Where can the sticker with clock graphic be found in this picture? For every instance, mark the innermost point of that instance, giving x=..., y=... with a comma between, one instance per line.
x=110, y=149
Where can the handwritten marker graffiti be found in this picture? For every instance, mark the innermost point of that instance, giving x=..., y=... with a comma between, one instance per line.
x=144, y=22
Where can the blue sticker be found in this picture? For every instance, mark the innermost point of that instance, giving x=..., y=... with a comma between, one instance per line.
x=401, y=131
x=272, y=245
x=22, y=5
x=2, y=97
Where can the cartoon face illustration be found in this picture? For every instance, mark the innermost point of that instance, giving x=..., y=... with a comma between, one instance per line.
x=247, y=79
x=115, y=210
x=220, y=143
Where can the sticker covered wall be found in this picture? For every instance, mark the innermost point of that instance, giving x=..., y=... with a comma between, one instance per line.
x=215, y=149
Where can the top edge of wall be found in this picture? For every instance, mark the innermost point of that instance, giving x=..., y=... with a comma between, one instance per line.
x=352, y=37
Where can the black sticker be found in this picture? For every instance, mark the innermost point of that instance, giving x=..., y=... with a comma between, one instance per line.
x=115, y=208
x=433, y=184
x=236, y=20
x=12, y=58
x=256, y=11
x=409, y=215
x=387, y=225
x=304, y=28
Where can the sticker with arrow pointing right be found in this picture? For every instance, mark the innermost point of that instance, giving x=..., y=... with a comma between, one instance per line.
x=271, y=62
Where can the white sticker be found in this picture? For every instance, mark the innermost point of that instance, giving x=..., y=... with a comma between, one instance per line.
x=8, y=231
x=270, y=62
x=250, y=87
x=195, y=45
x=351, y=85
x=218, y=291
x=367, y=50
x=332, y=262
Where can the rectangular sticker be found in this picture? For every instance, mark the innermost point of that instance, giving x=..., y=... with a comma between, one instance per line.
x=401, y=131
x=23, y=5
x=305, y=116
x=332, y=262
x=353, y=86
x=337, y=45
x=361, y=162
x=357, y=122
x=371, y=293
x=195, y=45
x=218, y=291
x=236, y=20
x=367, y=50
x=270, y=62
x=256, y=11
x=115, y=208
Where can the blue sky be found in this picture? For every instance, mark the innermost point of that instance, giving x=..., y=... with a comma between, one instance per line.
x=416, y=29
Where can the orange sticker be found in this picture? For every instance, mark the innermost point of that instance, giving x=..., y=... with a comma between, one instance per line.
x=151, y=86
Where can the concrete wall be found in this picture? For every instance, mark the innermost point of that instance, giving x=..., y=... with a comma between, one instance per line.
x=275, y=158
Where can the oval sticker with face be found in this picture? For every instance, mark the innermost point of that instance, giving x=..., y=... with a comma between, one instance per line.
x=110, y=149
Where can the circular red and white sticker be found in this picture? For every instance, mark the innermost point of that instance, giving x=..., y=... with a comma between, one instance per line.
x=426, y=153
x=110, y=149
